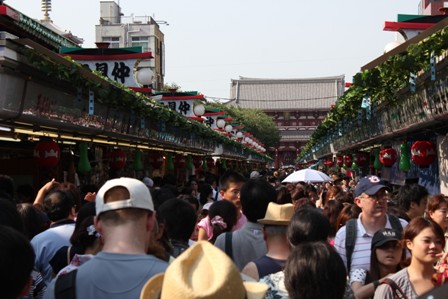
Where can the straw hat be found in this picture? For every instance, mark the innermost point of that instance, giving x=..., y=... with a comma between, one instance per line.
x=278, y=214
x=202, y=271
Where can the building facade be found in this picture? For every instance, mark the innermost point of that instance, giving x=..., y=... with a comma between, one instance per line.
x=297, y=106
x=134, y=31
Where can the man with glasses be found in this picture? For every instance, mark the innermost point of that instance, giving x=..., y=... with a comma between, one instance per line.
x=353, y=241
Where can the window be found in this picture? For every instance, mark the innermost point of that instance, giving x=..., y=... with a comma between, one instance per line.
x=140, y=41
x=114, y=42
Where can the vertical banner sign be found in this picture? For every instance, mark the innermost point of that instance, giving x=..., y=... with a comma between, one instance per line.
x=91, y=102
x=412, y=85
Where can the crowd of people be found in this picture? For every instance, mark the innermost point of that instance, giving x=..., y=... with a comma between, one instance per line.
x=232, y=236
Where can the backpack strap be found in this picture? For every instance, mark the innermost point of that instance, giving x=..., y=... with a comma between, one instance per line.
x=350, y=239
x=395, y=223
x=65, y=286
x=396, y=290
x=228, y=247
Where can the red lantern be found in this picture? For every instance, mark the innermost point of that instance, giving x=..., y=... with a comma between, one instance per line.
x=388, y=157
x=329, y=162
x=423, y=153
x=339, y=161
x=210, y=163
x=156, y=160
x=118, y=159
x=181, y=161
x=361, y=159
x=197, y=161
x=348, y=161
x=47, y=153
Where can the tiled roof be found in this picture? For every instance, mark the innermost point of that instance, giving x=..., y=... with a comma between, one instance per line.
x=286, y=94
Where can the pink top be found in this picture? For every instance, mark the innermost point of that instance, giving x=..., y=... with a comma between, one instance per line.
x=206, y=225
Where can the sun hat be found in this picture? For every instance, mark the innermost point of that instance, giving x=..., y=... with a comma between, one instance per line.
x=369, y=185
x=139, y=198
x=278, y=214
x=385, y=235
x=202, y=271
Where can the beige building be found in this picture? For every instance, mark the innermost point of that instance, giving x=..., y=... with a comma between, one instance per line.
x=133, y=31
x=297, y=106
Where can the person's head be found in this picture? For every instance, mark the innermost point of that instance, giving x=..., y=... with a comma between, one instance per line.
x=25, y=193
x=308, y=225
x=87, y=210
x=191, y=200
x=331, y=210
x=59, y=205
x=179, y=219
x=424, y=239
x=438, y=210
x=349, y=211
x=333, y=192
x=125, y=204
x=193, y=184
x=74, y=191
x=205, y=193
x=6, y=187
x=255, y=198
x=371, y=196
x=276, y=221
x=283, y=195
x=9, y=215
x=223, y=216
x=311, y=192
x=17, y=260
x=412, y=199
x=86, y=237
x=230, y=184
x=32, y=222
x=387, y=252
x=315, y=270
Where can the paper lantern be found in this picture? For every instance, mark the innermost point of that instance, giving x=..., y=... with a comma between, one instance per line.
x=339, y=161
x=83, y=164
x=377, y=163
x=118, y=159
x=405, y=163
x=361, y=159
x=137, y=164
x=423, y=153
x=169, y=162
x=189, y=162
x=388, y=157
x=197, y=161
x=156, y=160
x=348, y=161
x=47, y=153
x=329, y=162
x=181, y=161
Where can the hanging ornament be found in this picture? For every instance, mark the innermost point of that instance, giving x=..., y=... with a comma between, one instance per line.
x=169, y=162
x=47, y=153
x=156, y=160
x=388, y=157
x=189, y=162
x=423, y=153
x=224, y=164
x=329, y=162
x=204, y=163
x=137, y=164
x=355, y=166
x=405, y=163
x=377, y=163
x=361, y=159
x=118, y=159
x=83, y=164
x=348, y=161
x=197, y=161
x=181, y=161
x=210, y=163
x=339, y=161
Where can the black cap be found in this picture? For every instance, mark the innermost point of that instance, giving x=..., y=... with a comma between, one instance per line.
x=385, y=235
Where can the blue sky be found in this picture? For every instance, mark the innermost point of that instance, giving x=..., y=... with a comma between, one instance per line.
x=208, y=42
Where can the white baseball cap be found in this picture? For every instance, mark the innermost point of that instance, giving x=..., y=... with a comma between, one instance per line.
x=139, y=198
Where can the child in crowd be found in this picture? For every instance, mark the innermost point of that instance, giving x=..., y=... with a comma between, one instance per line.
x=221, y=218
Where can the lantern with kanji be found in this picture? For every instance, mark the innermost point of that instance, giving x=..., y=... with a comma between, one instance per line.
x=329, y=162
x=118, y=159
x=361, y=159
x=339, y=161
x=47, y=153
x=423, y=153
x=156, y=160
x=348, y=161
x=181, y=161
x=388, y=157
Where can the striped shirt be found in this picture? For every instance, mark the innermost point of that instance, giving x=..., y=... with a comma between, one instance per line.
x=401, y=278
x=363, y=244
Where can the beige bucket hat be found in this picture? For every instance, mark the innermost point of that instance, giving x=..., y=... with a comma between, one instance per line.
x=202, y=271
x=278, y=214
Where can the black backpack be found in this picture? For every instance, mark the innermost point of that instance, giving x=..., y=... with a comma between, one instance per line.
x=350, y=236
